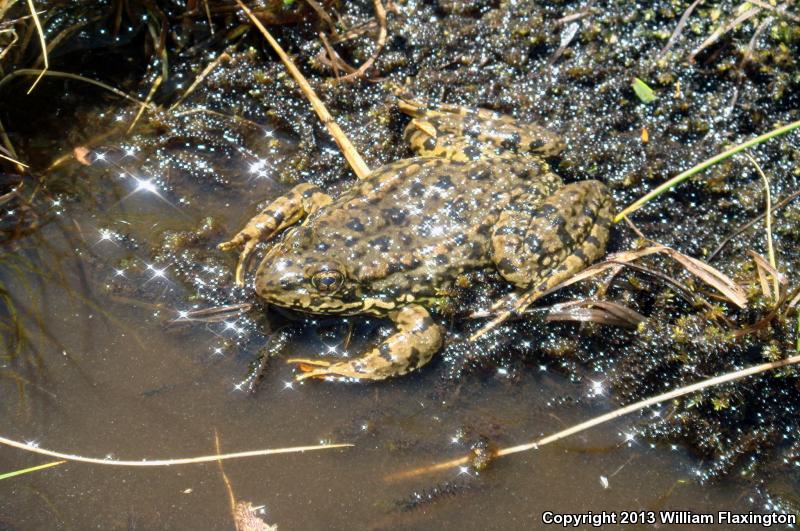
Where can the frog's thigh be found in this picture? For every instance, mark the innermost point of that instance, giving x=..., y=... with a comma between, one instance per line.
x=543, y=245
x=416, y=340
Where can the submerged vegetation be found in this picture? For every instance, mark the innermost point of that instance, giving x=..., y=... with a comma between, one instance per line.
x=642, y=95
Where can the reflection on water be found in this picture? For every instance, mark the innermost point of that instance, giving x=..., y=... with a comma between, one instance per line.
x=107, y=377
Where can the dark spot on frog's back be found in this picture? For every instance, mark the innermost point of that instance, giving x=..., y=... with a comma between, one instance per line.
x=397, y=216
x=479, y=174
x=444, y=182
x=536, y=144
x=355, y=225
x=381, y=243
x=442, y=259
x=472, y=153
x=511, y=143
x=417, y=189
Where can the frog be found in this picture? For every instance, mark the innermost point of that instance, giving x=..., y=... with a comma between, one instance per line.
x=477, y=195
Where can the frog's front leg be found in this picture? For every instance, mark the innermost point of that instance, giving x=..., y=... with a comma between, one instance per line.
x=417, y=339
x=284, y=212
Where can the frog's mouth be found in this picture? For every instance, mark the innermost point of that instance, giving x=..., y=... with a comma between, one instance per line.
x=307, y=301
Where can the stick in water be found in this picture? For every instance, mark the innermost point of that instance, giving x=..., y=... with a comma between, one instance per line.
x=28, y=447
x=675, y=393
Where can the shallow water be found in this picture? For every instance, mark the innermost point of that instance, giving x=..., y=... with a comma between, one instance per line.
x=115, y=381
x=102, y=372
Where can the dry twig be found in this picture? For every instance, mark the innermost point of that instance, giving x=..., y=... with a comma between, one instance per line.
x=380, y=14
x=678, y=29
x=42, y=42
x=145, y=103
x=708, y=274
x=675, y=393
x=714, y=37
x=750, y=223
x=166, y=462
x=224, y=56
x=353, y=158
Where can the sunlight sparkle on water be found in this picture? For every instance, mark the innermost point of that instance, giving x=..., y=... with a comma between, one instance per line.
x=146, y=185
x=597, y=388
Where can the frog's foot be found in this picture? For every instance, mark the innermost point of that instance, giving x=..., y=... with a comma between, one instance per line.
x=418, y=337
x=285, y=211
x=538, y=248
x=465, y=134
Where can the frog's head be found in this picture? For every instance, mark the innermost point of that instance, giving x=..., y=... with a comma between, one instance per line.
x=308, y=281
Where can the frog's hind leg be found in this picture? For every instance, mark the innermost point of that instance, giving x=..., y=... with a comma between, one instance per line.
x=461, y=133
x=284, y=212
x=538, y=247
x=417, y=339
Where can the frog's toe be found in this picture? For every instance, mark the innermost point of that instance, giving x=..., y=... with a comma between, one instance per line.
x=322, y=369
x=248, y=244
x=306, y=361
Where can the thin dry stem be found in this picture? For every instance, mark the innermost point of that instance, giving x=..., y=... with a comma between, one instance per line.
x=779, y=282
x=380, y=14
x=42, y=42
x=770, y=248
x=15, y=161
x=199, y=79
x=708, y=274
x=617, y=413
x=321, y=13
x=208, y=17
x=348, y=150
x=780, y=10
x=67, y=75
x=10, y=147
x=166, y=462
x=714, y=37
x=678, y=29
x=228, y=486
x=785, y=201
x=145, y=103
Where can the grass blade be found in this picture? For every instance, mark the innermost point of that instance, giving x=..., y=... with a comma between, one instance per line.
x=703, y=166
x=29, y=470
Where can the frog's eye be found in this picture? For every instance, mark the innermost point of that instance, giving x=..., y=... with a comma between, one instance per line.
x=327, y=281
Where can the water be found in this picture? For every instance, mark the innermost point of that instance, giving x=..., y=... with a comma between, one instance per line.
x=116, y=381
x=102, y=373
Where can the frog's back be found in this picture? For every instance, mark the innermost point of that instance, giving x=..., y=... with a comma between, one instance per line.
x=422, y=221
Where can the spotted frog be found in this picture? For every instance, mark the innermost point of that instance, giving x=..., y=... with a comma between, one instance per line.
x=478, y=195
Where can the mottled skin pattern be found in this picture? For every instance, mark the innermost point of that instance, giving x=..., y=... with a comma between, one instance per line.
x=478, y=196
